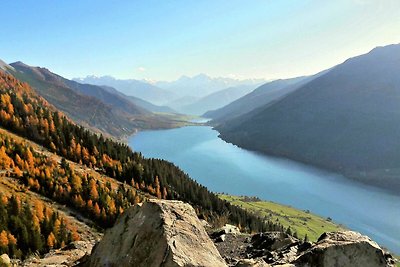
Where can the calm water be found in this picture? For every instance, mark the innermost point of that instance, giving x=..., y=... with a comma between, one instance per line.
x=224, y=167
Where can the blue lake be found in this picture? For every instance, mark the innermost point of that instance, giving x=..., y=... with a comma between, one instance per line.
x=224, y=167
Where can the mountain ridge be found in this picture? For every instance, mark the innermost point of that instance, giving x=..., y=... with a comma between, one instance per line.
x=131, y=87
x=89, y=105
x=262, y=95
x=172, y=93
x=202, y=85
x=345, y=120
x=217, y=99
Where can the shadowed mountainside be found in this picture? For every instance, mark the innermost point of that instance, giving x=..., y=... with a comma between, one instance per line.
x=346, y=120
x=131, y=87
x=217, y=99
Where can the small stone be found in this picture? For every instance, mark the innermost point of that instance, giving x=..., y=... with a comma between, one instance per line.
x=252, y=263
x=221, y=238
x=230, y=229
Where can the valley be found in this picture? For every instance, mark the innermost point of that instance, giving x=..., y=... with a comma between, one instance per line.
x=194, y=147
x=200, y=133
x=97, y=178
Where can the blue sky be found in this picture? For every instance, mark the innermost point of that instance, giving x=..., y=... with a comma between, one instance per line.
x=165, y=39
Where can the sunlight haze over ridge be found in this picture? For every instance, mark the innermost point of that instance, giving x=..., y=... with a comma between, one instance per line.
x=162, y=40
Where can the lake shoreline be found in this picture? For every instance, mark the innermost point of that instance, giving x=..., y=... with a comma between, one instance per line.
x=223, y=167
x=389, y=190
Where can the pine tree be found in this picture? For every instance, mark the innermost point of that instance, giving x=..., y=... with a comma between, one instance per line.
x=3, y=239
x=51, y=240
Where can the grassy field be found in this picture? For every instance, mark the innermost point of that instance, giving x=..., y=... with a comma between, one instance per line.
x=302, y=222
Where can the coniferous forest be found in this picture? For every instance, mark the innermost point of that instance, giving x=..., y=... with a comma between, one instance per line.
x=26, y=229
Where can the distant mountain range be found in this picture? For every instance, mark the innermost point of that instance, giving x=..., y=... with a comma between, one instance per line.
x=192, y=95
x=99, y=108
x=131, y=87
x=346, y=119
x=202, y=85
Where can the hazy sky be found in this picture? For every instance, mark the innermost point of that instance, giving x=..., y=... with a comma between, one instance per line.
x=165, y=39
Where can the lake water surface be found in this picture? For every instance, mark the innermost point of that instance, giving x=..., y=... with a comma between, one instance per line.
x=224, y=167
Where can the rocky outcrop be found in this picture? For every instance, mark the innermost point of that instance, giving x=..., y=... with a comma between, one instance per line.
x=164, y=233
x=346, y=249
x=270, y=241
x=158, y=233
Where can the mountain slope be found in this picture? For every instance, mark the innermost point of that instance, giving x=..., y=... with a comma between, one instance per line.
x=143, y=90
x=217, y=100
x=4, y=66
x=347, y=120
x=106, y=96
x=262, y=95
x=23, y=112
x=115, y=116
x=150, y=106
x=139, y=102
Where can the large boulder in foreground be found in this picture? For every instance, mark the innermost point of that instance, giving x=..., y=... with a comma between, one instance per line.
x=158, y=233
x=345, y=249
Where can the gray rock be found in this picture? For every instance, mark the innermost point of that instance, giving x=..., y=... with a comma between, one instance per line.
x=221, y=238
x=262, y=244
x=220, y=234
x=345, y=249
x=160, y=233
x=69, y=255
x=230, y=229
x=252, y=263
x=332, y=249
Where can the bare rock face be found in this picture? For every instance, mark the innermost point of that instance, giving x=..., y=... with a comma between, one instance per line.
x=345, y=249
x=159, y=233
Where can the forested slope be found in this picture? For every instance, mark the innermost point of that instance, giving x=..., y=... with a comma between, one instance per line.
x=30, y=116
x=89, y=105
